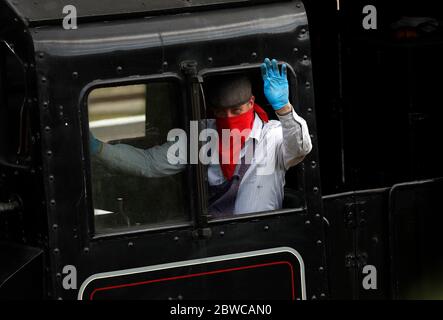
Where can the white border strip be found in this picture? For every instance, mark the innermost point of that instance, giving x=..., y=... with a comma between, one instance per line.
x=186, y=263
x=117, y=121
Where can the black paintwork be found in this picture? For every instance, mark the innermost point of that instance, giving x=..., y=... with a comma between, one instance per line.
x=50, y=175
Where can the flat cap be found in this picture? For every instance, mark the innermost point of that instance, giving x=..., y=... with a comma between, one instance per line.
x=228, y=91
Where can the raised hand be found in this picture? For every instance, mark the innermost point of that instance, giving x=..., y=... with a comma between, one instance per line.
x=276, y=85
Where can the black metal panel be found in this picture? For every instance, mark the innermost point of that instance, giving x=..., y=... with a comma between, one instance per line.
x=358, y=236
x=21, y=272
x=416, y=218
x=386, y=75
x=340, y=244
x=272, y=275
x=142, y=250
x=21, y=173
x=68, y=63
x=44, y=11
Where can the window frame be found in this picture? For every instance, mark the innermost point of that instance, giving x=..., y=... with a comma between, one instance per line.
x=8, y=159
x=89, y=218
x=203, y=73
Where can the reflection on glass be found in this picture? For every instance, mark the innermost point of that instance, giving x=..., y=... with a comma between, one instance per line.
x=130, y=120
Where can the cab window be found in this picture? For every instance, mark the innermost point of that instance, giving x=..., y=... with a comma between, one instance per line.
x=130, y=120
x=293, y=194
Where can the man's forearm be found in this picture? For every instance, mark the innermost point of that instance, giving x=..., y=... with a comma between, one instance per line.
x=152, y=162
x=296, y=142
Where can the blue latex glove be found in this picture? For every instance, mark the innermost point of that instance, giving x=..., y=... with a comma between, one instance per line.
x=276, y=85
x=95, y=145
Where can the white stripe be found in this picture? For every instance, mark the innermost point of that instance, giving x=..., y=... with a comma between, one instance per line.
x=100, y=212
x=186, y=263
x=117, y=121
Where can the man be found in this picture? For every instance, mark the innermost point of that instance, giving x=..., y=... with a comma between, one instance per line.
x=236, y=185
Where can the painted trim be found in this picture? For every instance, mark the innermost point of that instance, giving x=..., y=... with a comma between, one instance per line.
x=186, y=263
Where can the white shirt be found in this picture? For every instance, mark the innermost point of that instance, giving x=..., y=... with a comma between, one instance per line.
x=279, y=145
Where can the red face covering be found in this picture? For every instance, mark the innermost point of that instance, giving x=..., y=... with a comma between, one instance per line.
x=230, y=152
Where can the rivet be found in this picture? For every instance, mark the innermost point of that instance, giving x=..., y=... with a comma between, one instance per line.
x=305, y=57
x=56, y=250
x=308, y=222
x=254, y=55
x=313, y=164
x=176, y=238
x=130, y=244
x=75, y=75
x=222, y=233
x=321, y=269
x=165, y=64
x=55, y=226
x=317, y=215
x=58, y=275
x=319, y=242
x=295, y=50
x=210, y=59
x=308, y=84
x=44, y=79
x=41, y=55
x=47, y=128
x=86, y=250
x=315, y=189
x=298, y=5
x=119, y=69
x=322, y=295
x=51, y=178
x=49, y=153
x=314, y=297
x=266, y=228
x=309, y=110
x=52, y=202
x=303, y=31
x=45, y=104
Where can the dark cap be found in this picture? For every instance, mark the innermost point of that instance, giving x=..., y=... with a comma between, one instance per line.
x=228, y=91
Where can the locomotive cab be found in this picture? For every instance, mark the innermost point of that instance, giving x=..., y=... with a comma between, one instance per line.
x=130, y=75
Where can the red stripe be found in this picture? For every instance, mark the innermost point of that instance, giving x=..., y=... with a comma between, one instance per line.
x=199, y=275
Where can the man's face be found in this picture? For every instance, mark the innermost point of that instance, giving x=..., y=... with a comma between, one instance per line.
x=235, y=111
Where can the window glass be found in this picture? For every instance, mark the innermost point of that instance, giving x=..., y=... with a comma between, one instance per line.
x=132, y=184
